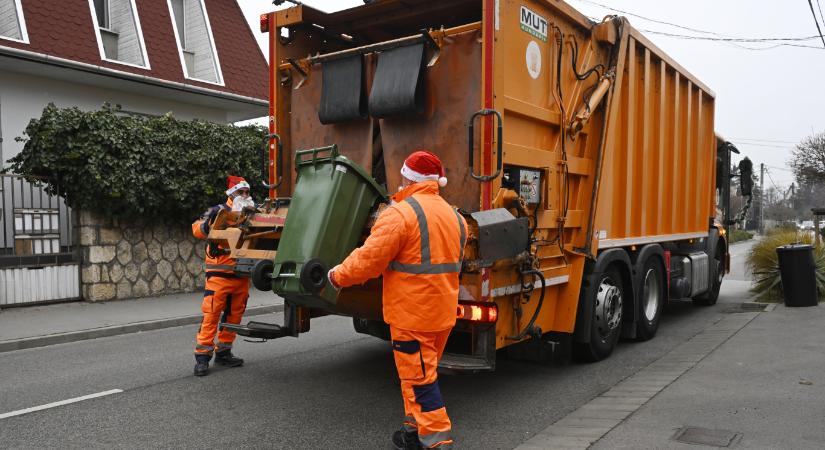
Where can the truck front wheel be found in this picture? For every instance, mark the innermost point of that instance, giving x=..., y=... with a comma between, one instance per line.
x=606, y=323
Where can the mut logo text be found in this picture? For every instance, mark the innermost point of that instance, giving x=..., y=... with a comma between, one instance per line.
x=533, y=23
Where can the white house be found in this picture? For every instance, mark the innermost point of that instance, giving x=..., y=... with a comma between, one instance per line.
x=194, y=58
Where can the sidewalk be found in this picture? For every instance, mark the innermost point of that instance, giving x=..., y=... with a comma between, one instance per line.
x=752, y=380
x=762, y=388
x=37, y=326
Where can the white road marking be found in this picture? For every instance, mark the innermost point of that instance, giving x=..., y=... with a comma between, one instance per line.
x=20, y=412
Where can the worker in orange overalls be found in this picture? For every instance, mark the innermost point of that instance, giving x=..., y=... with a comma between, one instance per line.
x=417, y=244
x=225, y=293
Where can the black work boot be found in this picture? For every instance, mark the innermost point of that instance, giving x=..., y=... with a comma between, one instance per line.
x=202, y=365
x=406, y=440
x=226, y=358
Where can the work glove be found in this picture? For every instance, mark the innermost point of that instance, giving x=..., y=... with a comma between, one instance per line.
x=331, y=277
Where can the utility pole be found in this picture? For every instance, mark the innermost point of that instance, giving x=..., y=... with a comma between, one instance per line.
x=762, y=200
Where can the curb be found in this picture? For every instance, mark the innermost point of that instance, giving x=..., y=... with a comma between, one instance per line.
x=115, y=330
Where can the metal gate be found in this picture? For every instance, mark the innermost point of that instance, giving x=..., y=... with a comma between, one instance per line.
x=39, y=259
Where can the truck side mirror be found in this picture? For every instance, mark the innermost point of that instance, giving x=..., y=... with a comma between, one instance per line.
x=746, y=177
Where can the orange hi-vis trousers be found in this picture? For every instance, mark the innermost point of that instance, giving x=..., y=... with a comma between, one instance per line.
x=222, y=297
x=416, y=358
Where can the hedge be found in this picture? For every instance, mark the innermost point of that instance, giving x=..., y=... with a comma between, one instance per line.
x=134, y=167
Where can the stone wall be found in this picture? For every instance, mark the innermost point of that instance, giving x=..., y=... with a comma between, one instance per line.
x=126, y=259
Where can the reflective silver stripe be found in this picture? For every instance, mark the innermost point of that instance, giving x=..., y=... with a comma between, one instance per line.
x=219, y=267
x=427, y=267
x=463, y=237
x=223, y=346
x=423, y=229
x=428, y=440
x=208, y=348
x=410, y=424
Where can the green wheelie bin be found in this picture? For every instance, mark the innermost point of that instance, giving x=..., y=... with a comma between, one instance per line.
x=329, y=209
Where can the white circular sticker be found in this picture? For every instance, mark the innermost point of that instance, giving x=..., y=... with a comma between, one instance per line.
x=533, y=57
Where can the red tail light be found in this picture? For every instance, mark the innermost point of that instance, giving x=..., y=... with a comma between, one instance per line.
x=477, y=312
x=264, y=23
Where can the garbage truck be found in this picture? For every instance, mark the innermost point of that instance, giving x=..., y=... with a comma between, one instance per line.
x=583, y=158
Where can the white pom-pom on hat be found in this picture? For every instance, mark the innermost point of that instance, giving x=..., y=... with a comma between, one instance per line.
x=442, y=181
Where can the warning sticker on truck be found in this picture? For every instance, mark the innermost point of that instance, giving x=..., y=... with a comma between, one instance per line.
x=533, y=23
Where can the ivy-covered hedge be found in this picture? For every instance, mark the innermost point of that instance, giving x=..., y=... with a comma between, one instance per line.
x=134, y=167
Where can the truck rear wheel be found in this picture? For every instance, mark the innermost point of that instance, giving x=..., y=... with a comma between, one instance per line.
x=606, y=324
x=652, y=299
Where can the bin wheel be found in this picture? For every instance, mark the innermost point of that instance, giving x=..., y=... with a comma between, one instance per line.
x=652, y=300
x=606, y=325
x=717, y=272
x=262, y=275
x=314, y=276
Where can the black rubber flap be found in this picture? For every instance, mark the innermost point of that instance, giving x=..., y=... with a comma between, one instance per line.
x=399, y=82
x=342, y=95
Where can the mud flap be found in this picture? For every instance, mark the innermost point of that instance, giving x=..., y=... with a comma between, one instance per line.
x=342, y=92
x=398, y=88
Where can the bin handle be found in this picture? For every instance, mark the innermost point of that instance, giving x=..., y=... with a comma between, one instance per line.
x=486, y=112
x=315, y=152
x=279, y=155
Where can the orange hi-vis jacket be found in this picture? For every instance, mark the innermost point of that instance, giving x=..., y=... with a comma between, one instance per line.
x=417, y=244
x=217, y=258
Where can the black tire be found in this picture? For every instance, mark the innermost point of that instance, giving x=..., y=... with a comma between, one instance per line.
x=606, y=324
x=652, y=298
x=262, y=275
x=717, y=272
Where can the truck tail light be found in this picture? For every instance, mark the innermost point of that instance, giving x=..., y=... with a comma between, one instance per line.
x=264, y=23
x=477, y=312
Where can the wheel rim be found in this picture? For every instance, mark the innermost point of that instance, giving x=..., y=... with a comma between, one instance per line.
x=651, y=295
x=719, y=273
x=608, y=307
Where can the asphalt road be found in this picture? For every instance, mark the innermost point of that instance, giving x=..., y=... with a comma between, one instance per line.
x=329, y=389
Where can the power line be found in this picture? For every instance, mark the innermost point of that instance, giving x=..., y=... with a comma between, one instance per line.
x=652, y=20
x=731, y=39
x=817, y=21
x=720, y=37
x=820, y=11
x=771, y=178
x=761, y=145
x=780, y=168
x=765, y=140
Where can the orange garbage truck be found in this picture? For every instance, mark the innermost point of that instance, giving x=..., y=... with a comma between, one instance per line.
x=582, y=157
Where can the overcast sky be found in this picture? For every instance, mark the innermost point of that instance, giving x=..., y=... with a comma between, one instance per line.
x=766, y=100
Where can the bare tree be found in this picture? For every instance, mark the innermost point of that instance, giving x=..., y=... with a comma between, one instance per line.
x=808, y=160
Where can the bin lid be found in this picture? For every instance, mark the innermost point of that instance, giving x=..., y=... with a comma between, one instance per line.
x=794, y=247
x=343, y=160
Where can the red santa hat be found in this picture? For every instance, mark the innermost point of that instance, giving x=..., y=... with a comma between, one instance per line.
x=235, y=184
x=423, y=166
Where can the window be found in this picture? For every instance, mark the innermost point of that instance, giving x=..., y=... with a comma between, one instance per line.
x=12, y=24
x=120, y=38
x=196, y=45
x=102, y=11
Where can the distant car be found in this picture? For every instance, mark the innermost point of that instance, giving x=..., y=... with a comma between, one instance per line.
x=808, y=225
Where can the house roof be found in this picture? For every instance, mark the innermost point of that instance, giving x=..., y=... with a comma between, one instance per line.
x=65, y=30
